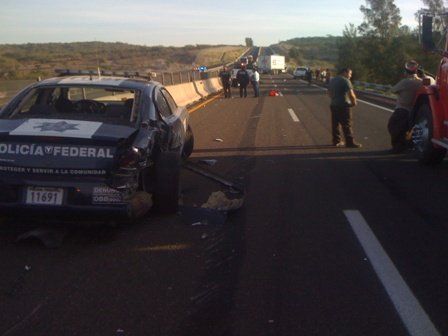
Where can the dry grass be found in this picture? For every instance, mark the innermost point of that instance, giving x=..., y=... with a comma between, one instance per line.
x=219, y=55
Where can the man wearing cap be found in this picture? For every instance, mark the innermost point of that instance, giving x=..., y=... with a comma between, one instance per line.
x=398, y=125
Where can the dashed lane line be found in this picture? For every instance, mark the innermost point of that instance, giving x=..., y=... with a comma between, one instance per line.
x=406, y=304
x=293, y=115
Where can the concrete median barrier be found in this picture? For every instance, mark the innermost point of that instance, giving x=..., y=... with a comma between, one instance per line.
x=184, y=94
x=189, y=93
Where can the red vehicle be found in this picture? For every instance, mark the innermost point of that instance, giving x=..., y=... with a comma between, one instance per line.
x=430, y=117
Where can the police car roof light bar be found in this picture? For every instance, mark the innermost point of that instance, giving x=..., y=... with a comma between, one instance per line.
x=127, y=74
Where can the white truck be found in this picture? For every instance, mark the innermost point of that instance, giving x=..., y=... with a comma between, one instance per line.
x=273, y=64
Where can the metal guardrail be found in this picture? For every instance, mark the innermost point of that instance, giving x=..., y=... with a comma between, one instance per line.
x=173, y=78
x=373, y=86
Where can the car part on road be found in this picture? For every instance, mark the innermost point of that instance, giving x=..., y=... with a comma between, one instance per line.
x=422, y=133
x=274, y=93
x=190, y=166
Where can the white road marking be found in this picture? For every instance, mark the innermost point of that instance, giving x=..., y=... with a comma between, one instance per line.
x=293, y=115
x=411, y=312
x=319, y=87
x=377, y=106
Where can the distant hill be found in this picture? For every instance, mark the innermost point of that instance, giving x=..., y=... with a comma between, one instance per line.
x=32, y=60
x=311, y=51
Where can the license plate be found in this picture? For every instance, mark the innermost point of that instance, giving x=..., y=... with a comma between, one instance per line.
x=44, y=196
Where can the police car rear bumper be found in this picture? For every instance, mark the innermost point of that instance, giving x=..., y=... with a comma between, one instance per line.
x=80, y=200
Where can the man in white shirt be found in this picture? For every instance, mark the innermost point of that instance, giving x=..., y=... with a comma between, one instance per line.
x=256, y=83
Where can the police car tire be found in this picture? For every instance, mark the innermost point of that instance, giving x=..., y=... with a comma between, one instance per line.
x=167, y=175
x=428, y=155
x=189, y=143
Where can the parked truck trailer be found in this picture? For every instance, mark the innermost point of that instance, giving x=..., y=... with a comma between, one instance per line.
x=272, y=64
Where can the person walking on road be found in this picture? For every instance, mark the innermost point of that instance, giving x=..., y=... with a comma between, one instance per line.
x=242, y=76
x=327, y=76
x=343, y=98
x=225, y=77
x=256, y=82
x=309, y=76
x=398, y=125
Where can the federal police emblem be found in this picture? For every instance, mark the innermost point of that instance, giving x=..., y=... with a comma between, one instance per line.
x=60, y=126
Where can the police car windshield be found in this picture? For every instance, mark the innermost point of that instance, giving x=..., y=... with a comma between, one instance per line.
x=77, y=102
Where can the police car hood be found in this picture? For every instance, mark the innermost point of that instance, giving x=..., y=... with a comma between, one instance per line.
x=53, y=145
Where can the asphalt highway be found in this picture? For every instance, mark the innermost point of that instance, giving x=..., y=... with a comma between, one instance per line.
x=304, y=270
x=330, y=241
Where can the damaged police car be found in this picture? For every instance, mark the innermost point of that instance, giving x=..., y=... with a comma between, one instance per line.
x=92, y=143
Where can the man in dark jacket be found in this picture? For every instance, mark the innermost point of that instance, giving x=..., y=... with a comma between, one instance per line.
x=242, y=76
x=225, y=77
x=343, y=98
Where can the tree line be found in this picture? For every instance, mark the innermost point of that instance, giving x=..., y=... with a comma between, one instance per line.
x=377, y=49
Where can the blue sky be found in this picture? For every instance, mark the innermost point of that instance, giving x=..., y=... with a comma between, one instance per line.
x=180, y=22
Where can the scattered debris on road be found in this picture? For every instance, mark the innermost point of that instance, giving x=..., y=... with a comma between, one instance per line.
x=208, y=162
x=27, y=268
x=50, y=237
x=219, y=140
x=219, y=201
x=202, y=216
x=141, y=203
x=164, y=248
x=274, y=93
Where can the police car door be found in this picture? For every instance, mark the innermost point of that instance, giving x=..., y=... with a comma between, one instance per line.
x=174, y=117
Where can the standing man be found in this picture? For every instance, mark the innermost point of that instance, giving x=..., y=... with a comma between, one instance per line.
x=309, y=76
x=225, y=76
x=327, y=76
x=256, y=82
x=343, y=98
x=398, y=125
x=243, y=79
